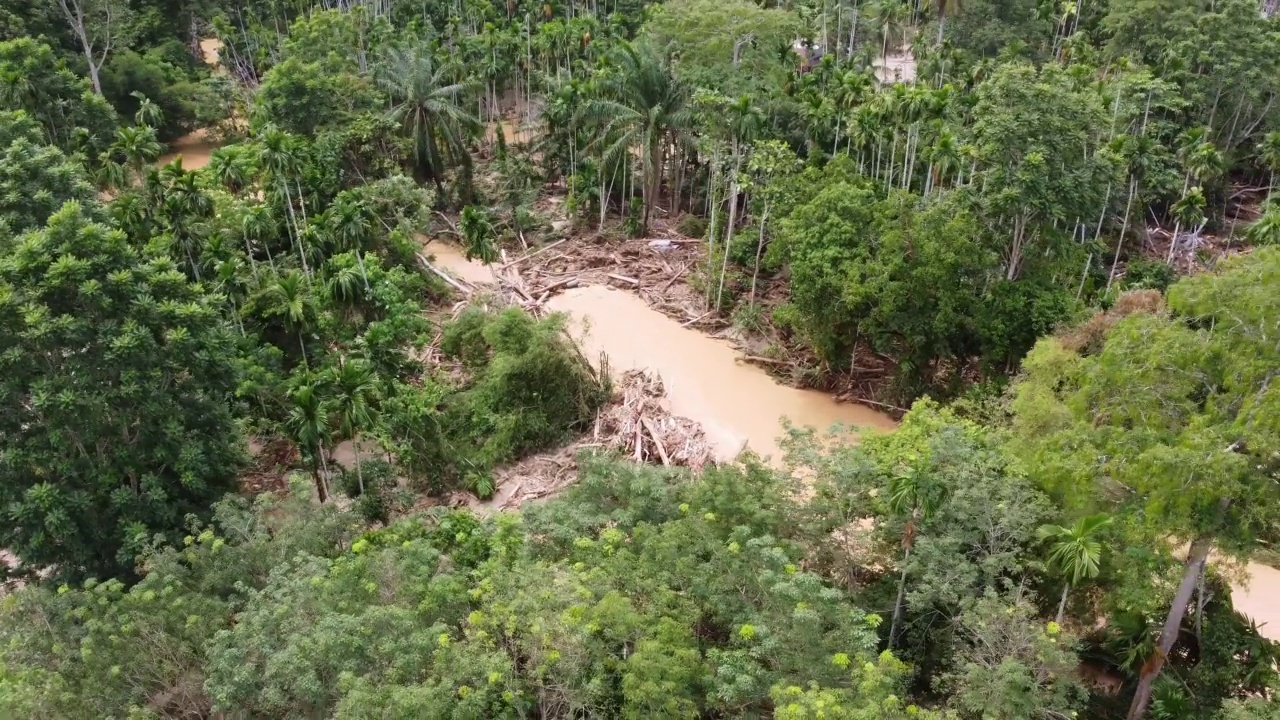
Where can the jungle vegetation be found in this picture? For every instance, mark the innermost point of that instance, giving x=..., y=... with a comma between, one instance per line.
x=1056, y=235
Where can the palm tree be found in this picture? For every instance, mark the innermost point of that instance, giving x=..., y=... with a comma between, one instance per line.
x=279, y=159
x=915, y=494
x=355, y=391
x=645, y=108
x=477, y=233
x=148, y=113
x=350, y=222
x=138, y=146
x=430, y=106
x=745, y=121
x=1266, y=229
x=308, y=426
x=257, y=225
x=945, y=9
x=232, y=168
x=289, y=297
x=184, y=207
x=1269, y=152
x=1076, y=552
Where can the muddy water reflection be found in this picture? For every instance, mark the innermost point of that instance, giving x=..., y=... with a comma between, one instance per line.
x=194, y=149
x=736, y=403
x=449, y=257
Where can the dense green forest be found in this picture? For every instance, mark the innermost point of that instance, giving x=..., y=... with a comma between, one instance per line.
x=239, y=403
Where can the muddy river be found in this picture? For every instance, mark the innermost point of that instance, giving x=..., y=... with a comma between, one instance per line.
x=739, y=405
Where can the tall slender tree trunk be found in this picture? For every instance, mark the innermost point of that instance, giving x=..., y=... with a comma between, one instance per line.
x=1124, y=229
x=902, y=594
x=1196, y=558
x=355, y=450
x=319, y=481
x=1062, y=604
x=733, y=219
x=764, y=217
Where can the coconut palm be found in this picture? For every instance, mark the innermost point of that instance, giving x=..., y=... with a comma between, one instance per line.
x=308, y=427
x=430, y=105
x=644, y=108
x=1076, y=552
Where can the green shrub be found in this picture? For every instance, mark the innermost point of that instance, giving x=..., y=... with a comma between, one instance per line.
x=1149, y=274
x=694, y=226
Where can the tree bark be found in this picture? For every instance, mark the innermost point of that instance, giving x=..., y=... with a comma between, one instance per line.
x=1196, y=558
x=1062, y=604
x=764, y=217
x=902, y=593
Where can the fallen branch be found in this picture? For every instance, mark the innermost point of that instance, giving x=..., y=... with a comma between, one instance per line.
x=452, y=228
x=679, y=273
x=623, y=278
x=887, y=406
x=662, y=452
x=771, y=361
x=535, y=253
x=570, y=281
x=690, y=322
x=456, y=285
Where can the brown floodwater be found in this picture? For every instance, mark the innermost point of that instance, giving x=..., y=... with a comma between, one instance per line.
x=449, y=257
x=194, y=149
x=1259, y=598
x=738, y=404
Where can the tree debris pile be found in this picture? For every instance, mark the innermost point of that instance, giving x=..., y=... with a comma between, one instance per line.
x=640, y=426
x=636, y=424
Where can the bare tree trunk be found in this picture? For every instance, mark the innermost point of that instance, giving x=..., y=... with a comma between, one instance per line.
x=902, y=593
x=73, y=11
x=733, y=218
x=1062, y=604
x=355, y=450
x=1196, y=558
x=764, y=217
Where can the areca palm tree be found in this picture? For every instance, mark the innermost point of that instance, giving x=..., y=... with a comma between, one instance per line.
x=1076, y=552
x=1269, y=152
x=915, y=493
x=645, y=108
x=257, y=226
x=354, y=391
x=138, y=146
x=232, y=168
x=148, y=113
x=1266, y=229
x=308, y=426
x=279, y=159
x=350, y=221
x=430, y=106
x=289, y=298
x=945, y=9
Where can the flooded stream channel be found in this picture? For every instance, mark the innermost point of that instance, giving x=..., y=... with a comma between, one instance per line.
x=739, y=405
